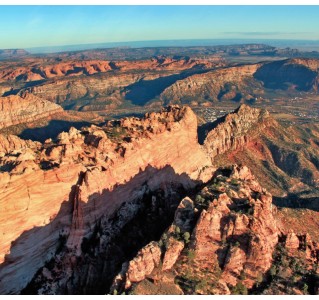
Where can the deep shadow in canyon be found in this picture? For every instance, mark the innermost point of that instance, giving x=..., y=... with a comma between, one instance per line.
x=51, y=130
x=141, y=92
x=295, y=201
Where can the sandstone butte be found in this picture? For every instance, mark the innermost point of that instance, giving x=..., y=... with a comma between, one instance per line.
x=64, y=186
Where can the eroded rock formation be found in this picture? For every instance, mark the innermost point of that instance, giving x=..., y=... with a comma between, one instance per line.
x=94, y=203
x=90, y=171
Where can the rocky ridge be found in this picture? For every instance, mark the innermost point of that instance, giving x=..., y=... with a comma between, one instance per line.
x=230, y=83
x=102, y=182
x=224, y=241
x=100, y=168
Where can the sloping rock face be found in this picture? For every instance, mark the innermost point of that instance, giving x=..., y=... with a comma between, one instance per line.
x=25, y=108
x=237, y=130
x=85, y=175
x=233, y=83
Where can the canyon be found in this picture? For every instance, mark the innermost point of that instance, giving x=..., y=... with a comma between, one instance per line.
x=185, y=171
x=101, y=85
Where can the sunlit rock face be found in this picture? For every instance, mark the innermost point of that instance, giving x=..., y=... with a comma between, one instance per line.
x=61, y=188
x=26, y=108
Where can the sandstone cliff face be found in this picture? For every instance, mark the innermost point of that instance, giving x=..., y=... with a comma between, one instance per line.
x=26, y=108
x=39, y=70
x=86, y=175
x=237, y=130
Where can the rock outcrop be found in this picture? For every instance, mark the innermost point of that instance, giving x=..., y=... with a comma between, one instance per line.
x=237, y=130
x=239, y=231
x=95, y=170
x=98, y=180
x=232, y=242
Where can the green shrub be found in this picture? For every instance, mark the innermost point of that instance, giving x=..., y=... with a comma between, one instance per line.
x=305, y=289
x=191, y=254
x=177, y=230
x=273, y=270
x=186, y=236
x=239, y=289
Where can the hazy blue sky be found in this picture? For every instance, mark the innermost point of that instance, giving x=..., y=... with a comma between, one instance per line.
x=32, y=26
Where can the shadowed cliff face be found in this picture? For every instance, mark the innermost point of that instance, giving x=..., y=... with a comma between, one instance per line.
x=87, y=264
x=282, y=74
x=145, y=90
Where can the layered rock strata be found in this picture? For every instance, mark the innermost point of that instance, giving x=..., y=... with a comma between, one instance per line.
x=64, y=187
x=25, y=108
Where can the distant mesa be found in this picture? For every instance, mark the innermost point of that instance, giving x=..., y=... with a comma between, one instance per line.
x=12, y=53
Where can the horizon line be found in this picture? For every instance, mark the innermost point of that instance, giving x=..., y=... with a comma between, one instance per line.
x=127, y=43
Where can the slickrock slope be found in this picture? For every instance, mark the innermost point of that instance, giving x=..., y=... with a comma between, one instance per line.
x=25, y=108
x=64, y=187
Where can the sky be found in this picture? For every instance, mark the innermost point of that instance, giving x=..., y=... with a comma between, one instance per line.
x=39, y=26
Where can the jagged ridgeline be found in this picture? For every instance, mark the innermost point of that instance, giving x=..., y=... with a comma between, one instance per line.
x=142, y=205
